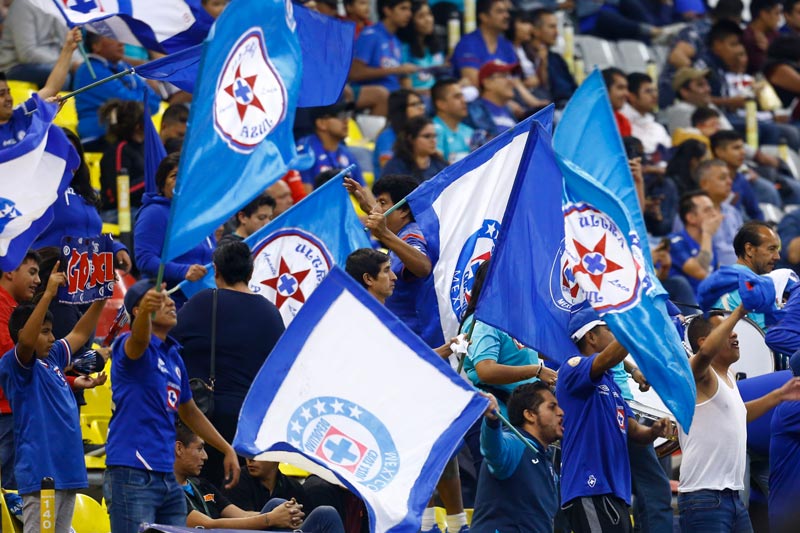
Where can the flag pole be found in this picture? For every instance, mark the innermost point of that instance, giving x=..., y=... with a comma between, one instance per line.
x=96, y=83
x=88, y=63
x=515, y=431
x=389, y=211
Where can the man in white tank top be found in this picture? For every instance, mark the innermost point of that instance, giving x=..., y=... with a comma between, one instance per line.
x=713, y=466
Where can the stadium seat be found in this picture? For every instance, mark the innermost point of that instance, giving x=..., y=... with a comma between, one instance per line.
x=67, y=116
x=595, y=52
x=660, y=53
x=364, y=158
x=634, y=56
x=93, y=162
x=89, y=516
x=98, y=404
x=370, y=126
x=771, y=212
x=95, y=463
x=441, y=517
x=469, y=515
x=157, y=117
x=6, y=521
x=21, y=90
x=354, y=134
x=793, y=161
x=292, y=471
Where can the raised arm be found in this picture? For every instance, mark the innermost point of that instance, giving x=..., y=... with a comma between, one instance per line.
x=413, y=260
x=607, y=359
x=790, y=391
x=55, y=81
x=141, y=330
x=701, y=361
x=28, y=335
x=85, y=327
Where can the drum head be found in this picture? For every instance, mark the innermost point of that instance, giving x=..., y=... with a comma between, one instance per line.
x=648, y=405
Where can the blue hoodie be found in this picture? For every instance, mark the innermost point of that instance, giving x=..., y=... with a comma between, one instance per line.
x=148, y=241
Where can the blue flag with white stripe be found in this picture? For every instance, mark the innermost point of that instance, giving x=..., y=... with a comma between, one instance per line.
x=362, y=429
x=459, y=212
x=293, y=253
x=606, y=259
x=239, y=138
x=37, y=169
x=529, y=291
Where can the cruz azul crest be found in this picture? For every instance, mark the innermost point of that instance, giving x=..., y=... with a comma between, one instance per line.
x=250, y=98
x=287, y=266
x=601, y=260
x=347, y=439
x=477, y=249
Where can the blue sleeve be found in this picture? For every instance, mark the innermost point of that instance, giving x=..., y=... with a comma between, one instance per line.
x=60, y=353
x=148, y=238
x=394, y=166
x=383, y=147
x=680, y=251
x=784, y=337
x=787, y=418
x=506, y=52
x=186, y=390
x=364, y=49
x=417, y=241
x=575, y=375
x=501, y=451
x=485, y=343
x=465, y=55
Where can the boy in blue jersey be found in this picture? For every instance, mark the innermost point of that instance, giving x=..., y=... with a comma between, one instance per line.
x=517, y=487
x=150, y=388
x=46, y=426
x=595, y=474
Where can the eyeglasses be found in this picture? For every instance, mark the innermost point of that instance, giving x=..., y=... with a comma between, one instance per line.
x=418, y=103
x=427, y=136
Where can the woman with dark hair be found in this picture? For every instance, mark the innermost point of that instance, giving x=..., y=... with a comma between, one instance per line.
x=520, y=33
x=404, y=104
x=783, y=70
x=124, y=122
x=415, y=152
x=75, y=213
x=151, y=226
x=421, y=47
x=247, y=328
x=685, y=159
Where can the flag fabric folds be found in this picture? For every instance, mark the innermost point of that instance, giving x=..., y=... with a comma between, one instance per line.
x=161, y=25
x=606, y=259
x=459, y=212
x=293, y=253
x=351, y=430
x=39, y=168
x=239, y=138
x=529, y=291
x=179, y=68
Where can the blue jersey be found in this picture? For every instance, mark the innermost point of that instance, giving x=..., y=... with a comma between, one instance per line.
x=424, y=79
x=595, y=433
x=17, y=126
x=784, y=468
x=414, y=299
x=378, y=48
x=146, y=393
x=324, y=160
x=384, y=148
x=501, y=116
x=46, y=427
x=453, y=145
x=683, y=247
x=471, y=52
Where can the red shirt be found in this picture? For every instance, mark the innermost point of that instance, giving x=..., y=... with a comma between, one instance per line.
x=623, y=124
x=7, y=305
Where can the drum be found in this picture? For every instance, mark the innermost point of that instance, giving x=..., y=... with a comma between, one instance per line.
x=649, y=408
x=755, y=357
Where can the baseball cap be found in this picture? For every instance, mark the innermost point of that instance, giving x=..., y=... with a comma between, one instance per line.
x=582, y=321
x=794, y=363
x=687, y=74
x=136, y=292
x=494, y=66
x=330, y=110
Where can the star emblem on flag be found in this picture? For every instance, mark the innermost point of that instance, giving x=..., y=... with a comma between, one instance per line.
x=242, y=90
x=594, y=262
x=287, y=284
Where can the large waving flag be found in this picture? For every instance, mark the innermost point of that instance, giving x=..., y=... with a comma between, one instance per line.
x=239, y=139
x=529, y=291
x=326, y=45
x=459, y=212
x=293, y=253
x=605, y=256
x=36, y=170
x=160, y=25
x=588, y=136
x=362, y=429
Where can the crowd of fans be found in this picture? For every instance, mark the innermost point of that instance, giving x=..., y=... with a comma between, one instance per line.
x=711, y=197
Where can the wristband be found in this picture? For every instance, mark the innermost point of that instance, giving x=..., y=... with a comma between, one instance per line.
x=538, y=372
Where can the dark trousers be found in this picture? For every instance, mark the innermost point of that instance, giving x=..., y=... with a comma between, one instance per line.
x=605, y=513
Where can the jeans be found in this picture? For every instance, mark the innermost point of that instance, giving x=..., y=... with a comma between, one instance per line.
x=713, y=511
x=135, y=496
x=628, y=20
x=7, y=452
x=653, y=497
x=323, y=519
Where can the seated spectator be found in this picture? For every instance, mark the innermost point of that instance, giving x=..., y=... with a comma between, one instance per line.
x=415, y=152
x=683, y=165
x=359, y=13
x=421, y=48
x=151, y=226
x=326, y=144
x=642, y=103
x=518, y=485
x=251, y=218
x=454, y=139
x=782, y=70
x=616, y=19
x=765, y=18
x=692, y=90
x=106, y=57
x=556, y=81
x=282, y=195
x=15, y=121
x=260, y=482
x=125, y=151
x=404, y=104
x=707, y=121
x=519, y=34
x=691, y=249
x=173, y=127
x=32, y=43
x=714, y=179
x=791, y=17
x=617, y=86
x=486, y=44
x=75, y=213
x=208, y=508
x=490, y=112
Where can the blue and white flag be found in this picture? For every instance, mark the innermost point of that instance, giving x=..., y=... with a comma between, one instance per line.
x=161, y=25
x=605, y=255
x=239, y=138
x=459, y=212
x=37, y=169
x=178, y=68
x=293, y=253
x=366, y=429
x=529, y=289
